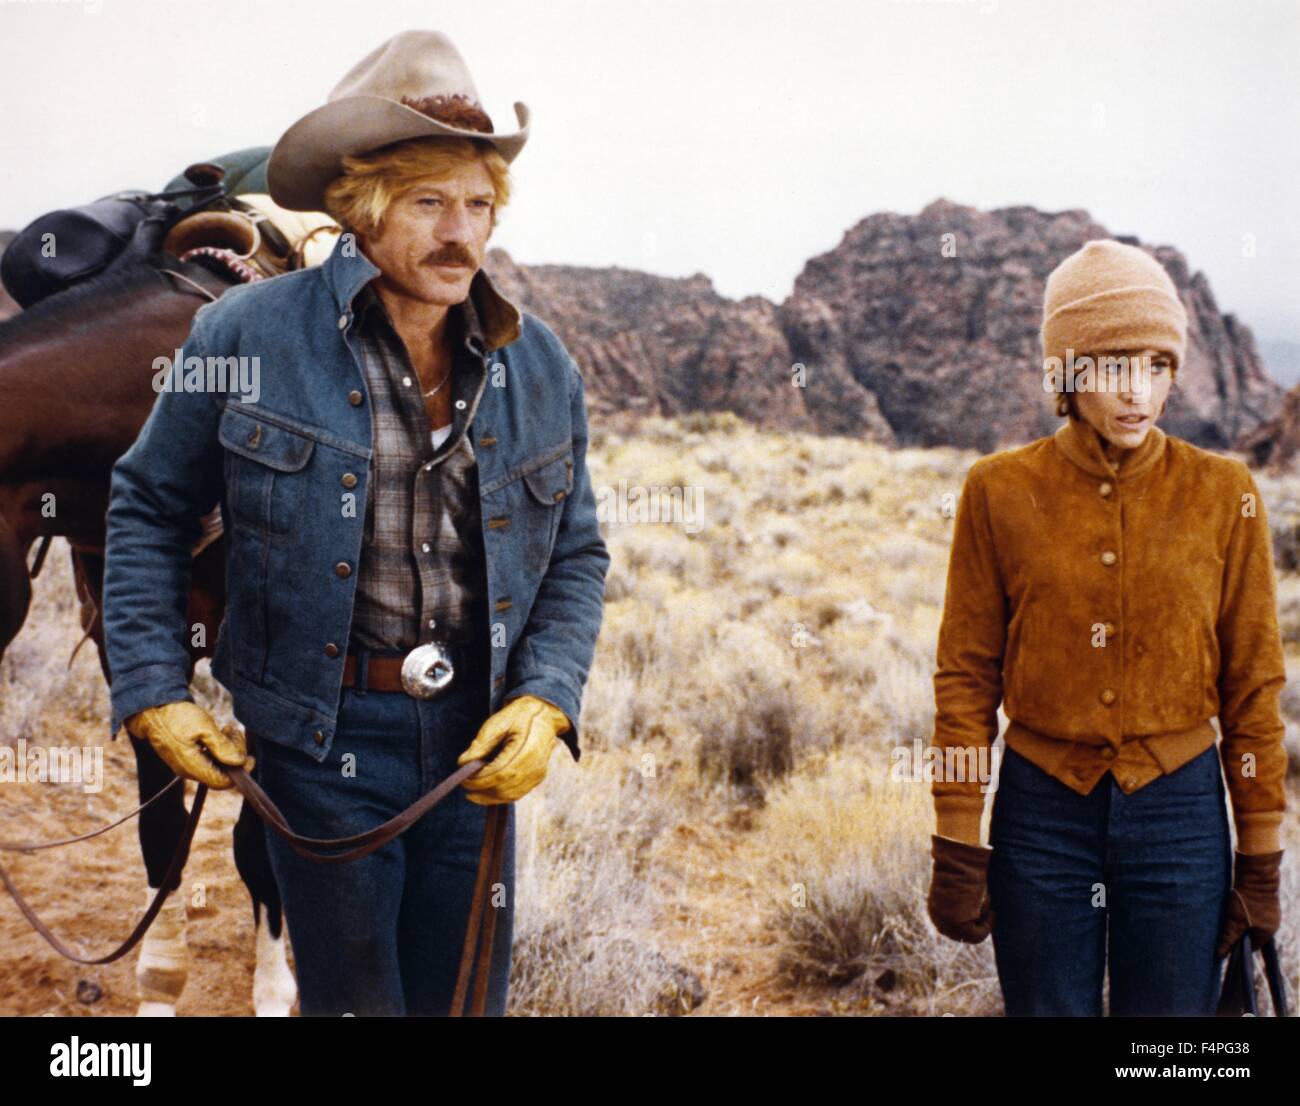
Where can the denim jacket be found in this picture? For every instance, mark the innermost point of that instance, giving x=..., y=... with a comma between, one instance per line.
x=281, y=468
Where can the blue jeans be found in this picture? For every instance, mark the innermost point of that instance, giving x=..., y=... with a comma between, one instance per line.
x=383, y=935
x=1149, y=873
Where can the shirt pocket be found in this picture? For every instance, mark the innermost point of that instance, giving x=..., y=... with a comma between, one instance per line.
x=265, y=482
x=548, y=484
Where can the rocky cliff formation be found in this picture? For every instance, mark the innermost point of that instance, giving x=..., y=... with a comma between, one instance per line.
x=1276, y=443
x=917, y=330
x=937, y=316
x=658, y=345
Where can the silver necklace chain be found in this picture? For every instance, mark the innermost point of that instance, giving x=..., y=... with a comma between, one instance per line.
x=445, y=377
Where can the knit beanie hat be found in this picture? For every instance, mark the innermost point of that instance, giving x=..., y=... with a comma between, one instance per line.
x=1109, y=296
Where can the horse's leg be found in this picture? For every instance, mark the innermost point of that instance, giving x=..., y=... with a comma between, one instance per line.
x=15, y=584
x=88, y=575
x=274, y=987
x=164, y=962
x=162, y=967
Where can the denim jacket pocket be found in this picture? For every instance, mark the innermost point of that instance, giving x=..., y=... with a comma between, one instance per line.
x=548, y=486
x=265, y=485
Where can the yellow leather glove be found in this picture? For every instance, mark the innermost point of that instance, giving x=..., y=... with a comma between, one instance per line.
x=529, y=728
x=188, y=740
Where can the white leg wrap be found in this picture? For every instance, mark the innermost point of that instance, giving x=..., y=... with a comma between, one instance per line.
x=274, y=988
x=164, y=962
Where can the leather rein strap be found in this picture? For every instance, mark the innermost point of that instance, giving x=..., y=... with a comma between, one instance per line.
x=478, y=933
x=482, y=922
x=170, y=880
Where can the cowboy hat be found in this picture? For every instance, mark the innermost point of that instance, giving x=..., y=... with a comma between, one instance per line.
x=412, y=86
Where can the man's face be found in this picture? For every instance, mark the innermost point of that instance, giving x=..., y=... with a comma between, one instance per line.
x=434, y=237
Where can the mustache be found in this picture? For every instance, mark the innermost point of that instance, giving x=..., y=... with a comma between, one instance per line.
x=451, y=255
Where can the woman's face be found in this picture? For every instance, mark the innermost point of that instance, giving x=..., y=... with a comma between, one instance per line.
x=1129, y=396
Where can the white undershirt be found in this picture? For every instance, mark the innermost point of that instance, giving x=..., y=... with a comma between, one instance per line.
x=440, y=435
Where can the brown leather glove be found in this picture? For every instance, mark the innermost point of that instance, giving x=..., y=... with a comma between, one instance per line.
x=190, y=742
x=958, y=902
x=1256, y=902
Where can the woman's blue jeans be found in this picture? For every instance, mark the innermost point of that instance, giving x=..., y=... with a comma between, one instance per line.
x=383, y=935
x=1141, y=880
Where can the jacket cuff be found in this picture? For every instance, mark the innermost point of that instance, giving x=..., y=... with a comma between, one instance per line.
x=1259, y=831
x=151, y=686
x=958, y=817
x=554, y=687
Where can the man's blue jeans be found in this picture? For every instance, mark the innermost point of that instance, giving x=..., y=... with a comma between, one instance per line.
x=1149, y=873
x=383, y=935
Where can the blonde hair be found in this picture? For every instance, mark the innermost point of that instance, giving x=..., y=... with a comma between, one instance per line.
x=359, y=198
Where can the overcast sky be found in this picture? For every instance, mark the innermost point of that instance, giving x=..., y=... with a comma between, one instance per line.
x=731, y=138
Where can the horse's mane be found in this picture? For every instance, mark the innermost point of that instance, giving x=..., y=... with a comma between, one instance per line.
x=47, y=318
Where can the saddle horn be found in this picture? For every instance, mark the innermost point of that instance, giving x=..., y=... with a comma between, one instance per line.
x=224, y=230
x=205, y=173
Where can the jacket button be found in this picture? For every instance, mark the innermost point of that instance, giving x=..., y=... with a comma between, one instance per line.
x=1105, y=488
x=559, y=495
x=1108, y=558
x=1107, y=696
x=331, y=650
x=355, y=398
x=349, y=480
x=343, y=321
x=318, y=737
x=1108, y=752
x=343, y=569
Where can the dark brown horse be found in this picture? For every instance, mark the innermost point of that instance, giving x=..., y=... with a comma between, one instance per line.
x=75, y=389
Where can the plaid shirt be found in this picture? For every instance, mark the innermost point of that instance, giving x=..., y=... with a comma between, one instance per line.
x=421, y=575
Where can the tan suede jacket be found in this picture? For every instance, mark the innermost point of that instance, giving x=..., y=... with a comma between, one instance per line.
x=1114, y=609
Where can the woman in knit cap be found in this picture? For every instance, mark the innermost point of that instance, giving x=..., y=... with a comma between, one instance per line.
x=1112, y=586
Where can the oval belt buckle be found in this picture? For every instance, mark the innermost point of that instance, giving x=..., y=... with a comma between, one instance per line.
x=427, y=670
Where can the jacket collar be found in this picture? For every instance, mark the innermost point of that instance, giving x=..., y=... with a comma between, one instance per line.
x=1082, y=445
x=487, y=314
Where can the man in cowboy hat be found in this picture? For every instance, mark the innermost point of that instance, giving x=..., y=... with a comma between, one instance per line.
x=416, y=574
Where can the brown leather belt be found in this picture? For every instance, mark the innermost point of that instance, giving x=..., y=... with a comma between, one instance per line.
x=384, y=670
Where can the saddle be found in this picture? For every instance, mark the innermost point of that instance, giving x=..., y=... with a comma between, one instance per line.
x=249, y=237
x=240, y=240
x=214, y=241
